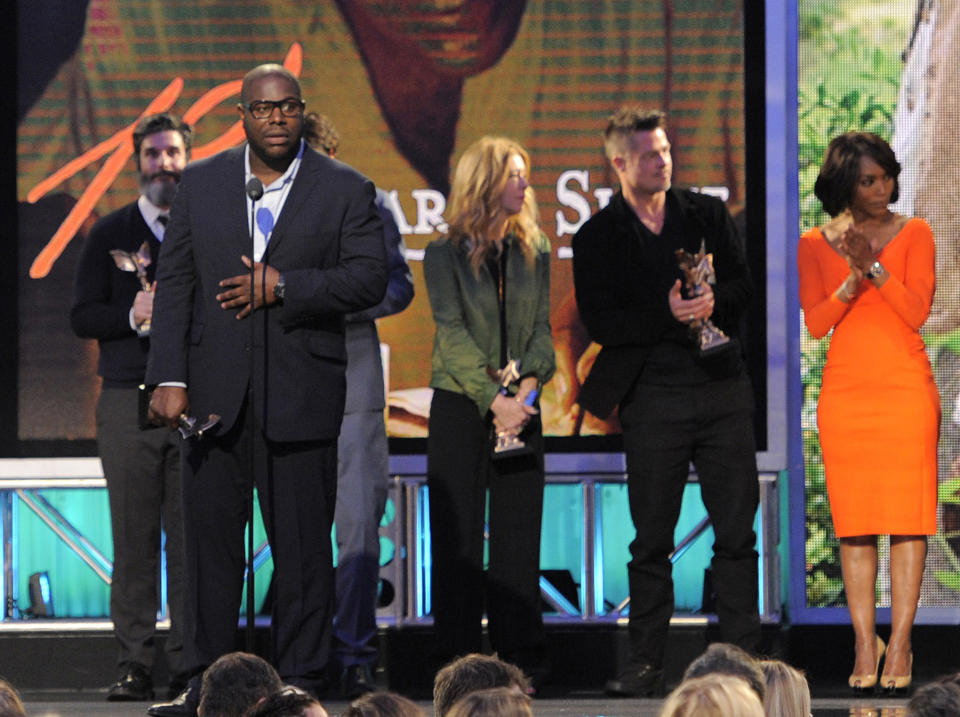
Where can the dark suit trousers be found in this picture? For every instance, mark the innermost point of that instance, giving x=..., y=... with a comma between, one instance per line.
x=142, y=469
x=459, y=474
x=665, y=428
x=296, y=486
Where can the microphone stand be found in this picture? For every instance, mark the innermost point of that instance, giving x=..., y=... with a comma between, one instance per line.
x=254, y=191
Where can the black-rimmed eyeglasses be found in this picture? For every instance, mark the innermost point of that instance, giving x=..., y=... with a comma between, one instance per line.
x=263, y=109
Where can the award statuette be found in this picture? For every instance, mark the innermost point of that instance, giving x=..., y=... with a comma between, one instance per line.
x=189, y=426
x=138, y=262
x=698, y=271
x=507, y=443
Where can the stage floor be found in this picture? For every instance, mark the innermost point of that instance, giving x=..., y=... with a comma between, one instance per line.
x=574, y=705
x=66, y=675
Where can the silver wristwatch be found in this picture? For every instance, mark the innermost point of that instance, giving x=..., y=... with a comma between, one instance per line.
x=279, y=289
x=876, y=270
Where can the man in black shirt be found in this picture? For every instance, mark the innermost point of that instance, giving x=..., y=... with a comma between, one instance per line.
x=676, y=405
x=142, y=468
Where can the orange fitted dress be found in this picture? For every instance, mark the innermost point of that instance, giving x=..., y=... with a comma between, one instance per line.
x=879, y=411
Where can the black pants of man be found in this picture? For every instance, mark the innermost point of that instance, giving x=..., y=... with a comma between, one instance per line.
x=296, y=487
x=460, y=471
x=142, y=470
x=665, y=428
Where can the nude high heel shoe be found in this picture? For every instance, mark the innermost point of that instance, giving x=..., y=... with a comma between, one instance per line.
x=892, y=685
x=867, y=683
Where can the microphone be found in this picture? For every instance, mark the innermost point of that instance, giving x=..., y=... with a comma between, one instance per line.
x=254, y=189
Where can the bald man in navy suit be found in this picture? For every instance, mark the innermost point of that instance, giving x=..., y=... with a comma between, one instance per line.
x=318, y=254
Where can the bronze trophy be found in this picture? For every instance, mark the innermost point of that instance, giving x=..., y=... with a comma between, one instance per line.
x=698, y=271
x=507, y=443
x=138, y=262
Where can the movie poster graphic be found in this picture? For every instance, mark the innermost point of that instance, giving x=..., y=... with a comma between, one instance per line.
x=408, y=86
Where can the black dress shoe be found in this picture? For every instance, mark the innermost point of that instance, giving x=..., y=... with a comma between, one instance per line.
x=357, y=680
x=184, y=705
x=637, y=680
x=134, y=685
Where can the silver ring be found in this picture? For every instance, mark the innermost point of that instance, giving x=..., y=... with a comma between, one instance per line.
x=691, y=317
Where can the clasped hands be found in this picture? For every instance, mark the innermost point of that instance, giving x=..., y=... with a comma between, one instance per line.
x=853, y=245
x=236, y=293
x=510, y=413
x=692, y=310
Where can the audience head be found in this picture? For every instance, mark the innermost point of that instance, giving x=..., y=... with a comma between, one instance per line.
x=495, y=702
x=472, y=673
x=938, y=699
x=383, y=704
x=840, y=170
x=713, y=695
x=290, y=701
x=10, y=704
x=320, y=133
x=787, y=692
x=954, y=678
x=727, y=659
x=236, y=682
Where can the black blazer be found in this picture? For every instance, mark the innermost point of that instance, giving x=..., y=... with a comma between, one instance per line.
x=628, y=313
x=327, y=243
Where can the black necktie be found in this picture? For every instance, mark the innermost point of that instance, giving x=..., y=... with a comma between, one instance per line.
x=163, y=219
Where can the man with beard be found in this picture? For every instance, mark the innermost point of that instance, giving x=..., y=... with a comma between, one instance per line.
x=141, y=467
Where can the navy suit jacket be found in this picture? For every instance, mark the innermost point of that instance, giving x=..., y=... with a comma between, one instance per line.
x=327, y=243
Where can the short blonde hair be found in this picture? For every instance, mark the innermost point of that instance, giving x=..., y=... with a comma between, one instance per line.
x=713, y=695
x=788, y=694
x=495, y=702
x=474, y=210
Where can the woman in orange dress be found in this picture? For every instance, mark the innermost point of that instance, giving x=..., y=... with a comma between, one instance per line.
x=868, y=274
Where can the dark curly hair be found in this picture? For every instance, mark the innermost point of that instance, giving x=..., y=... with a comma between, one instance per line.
x=841, y=168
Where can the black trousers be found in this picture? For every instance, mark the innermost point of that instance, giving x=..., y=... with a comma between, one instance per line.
x=296, y=487
x=460, y=472
x=664, y=429
x=142, y=470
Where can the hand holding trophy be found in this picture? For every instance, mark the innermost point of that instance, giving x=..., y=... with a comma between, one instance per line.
x=698, y=271
x=508, y=443
x=168, y=405
x=135, y=261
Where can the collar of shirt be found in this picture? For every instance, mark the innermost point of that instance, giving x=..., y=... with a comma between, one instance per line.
x=271, y=204
x=150, y=213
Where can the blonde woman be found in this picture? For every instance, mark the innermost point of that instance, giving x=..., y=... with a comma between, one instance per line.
x=489, y=287
x=787, y=693
x=713, y=695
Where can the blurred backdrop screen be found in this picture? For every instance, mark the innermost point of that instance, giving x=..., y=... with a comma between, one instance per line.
x=408, y=86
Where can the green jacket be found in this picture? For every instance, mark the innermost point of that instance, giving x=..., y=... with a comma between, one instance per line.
x=467, y=316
